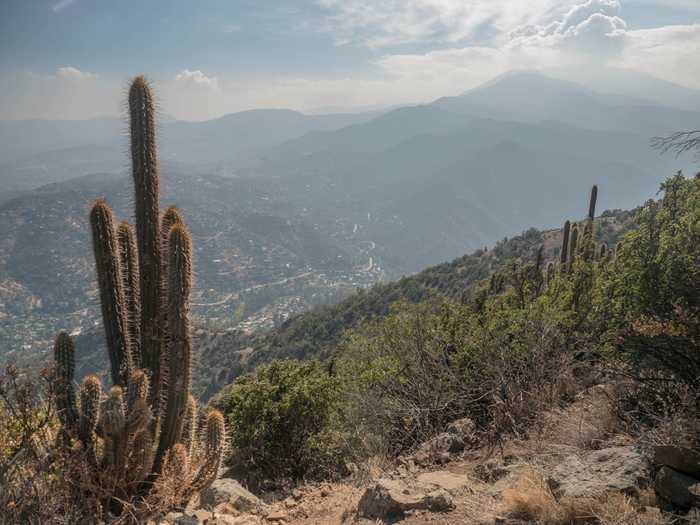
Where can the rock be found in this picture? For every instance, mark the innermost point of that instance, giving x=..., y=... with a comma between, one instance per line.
x=392, y=498
x=277, y=516
x=187, y=520
x=491, y=471
x=615, y=469
x=443, y=479
x=682, y=459
x=226, y=490
x=437, y=450
x=677, y=488
x=464, y=428
x=202, y=515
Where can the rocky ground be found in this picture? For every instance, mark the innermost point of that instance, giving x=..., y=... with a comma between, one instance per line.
x=575, y=467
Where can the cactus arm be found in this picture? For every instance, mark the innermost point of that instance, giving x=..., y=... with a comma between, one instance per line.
x=109, y=281
x=128, y=258
x=180, y=343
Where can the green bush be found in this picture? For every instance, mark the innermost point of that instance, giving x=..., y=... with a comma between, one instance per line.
x=280, y=419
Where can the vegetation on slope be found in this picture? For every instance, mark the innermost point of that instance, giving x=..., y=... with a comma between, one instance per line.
x=518, y=344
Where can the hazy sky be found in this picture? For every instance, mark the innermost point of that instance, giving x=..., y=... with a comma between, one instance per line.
x=73, y=58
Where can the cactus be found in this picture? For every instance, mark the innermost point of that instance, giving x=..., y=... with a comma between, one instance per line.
x=214, y=446
x=565, y=243
x=189, y=427
x=148, y=419
x=550, y=273
x=592, y=202
x=128, y=259
x=109, y=280
x=64, y=357
x=179, y=341
x=573, y=242
x=602, y=252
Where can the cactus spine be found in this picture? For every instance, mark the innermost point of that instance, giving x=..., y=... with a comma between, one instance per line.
x=144, y=282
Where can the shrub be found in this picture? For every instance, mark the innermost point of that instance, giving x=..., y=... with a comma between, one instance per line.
x=281, y=419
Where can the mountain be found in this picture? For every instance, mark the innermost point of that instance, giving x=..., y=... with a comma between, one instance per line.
x=630, y=83
x=533, y=97
x=38, y=152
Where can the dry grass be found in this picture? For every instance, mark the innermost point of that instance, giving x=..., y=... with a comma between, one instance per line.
x=530, y=499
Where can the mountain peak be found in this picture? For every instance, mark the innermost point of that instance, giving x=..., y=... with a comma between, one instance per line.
x=525, y=79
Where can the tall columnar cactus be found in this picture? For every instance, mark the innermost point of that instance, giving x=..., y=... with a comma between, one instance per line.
x=144, y=282
x=565, y=243
x=592, y=202
x=144, y=166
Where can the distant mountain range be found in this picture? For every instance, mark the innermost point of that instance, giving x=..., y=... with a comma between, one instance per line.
x=276, y=193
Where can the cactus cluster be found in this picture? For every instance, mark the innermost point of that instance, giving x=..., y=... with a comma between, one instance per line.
x=147, y=422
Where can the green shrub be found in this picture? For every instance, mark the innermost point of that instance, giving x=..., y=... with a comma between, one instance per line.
x=280, y=419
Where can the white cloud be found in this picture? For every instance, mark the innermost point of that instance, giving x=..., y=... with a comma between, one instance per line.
x=592, y=27
x=61, y=5
x=669, y=52
x=391, y=22
x=197, y=79
x=70, y=72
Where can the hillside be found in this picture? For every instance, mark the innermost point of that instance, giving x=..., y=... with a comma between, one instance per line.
x=315, y=334
x=259, y=258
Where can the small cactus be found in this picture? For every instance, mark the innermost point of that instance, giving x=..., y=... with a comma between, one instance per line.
x=64, y=357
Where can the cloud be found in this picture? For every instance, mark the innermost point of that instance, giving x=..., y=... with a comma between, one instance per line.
x=61, y=5
x=393, y=22
x=667, y=52
x=70, y=72
x=593, y=27
x=197, y=79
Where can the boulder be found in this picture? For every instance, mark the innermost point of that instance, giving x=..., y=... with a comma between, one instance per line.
x=677, y=488
x=682, y=459
x=226, y=490
x=388, y=498
x=615, y=469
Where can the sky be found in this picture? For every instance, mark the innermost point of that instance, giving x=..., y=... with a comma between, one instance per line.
x=72, y=59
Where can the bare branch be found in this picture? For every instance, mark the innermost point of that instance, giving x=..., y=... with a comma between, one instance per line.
x=679, y=142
